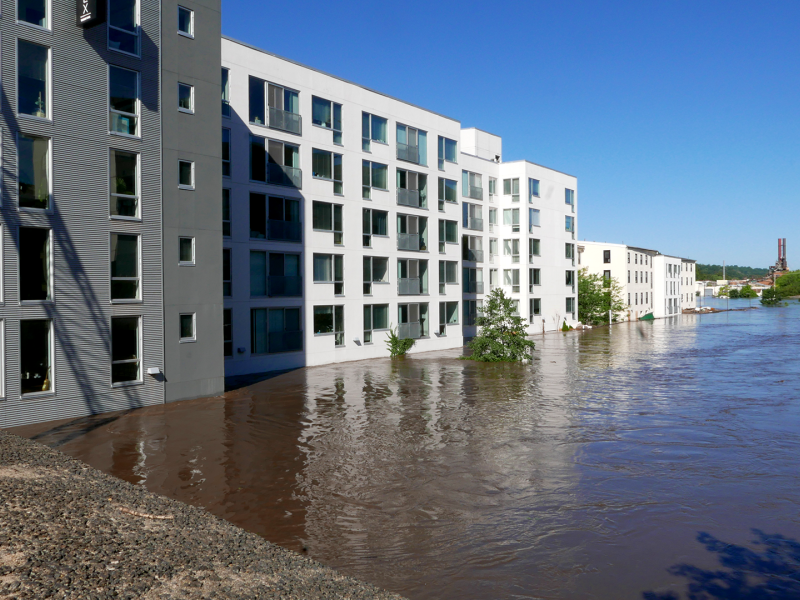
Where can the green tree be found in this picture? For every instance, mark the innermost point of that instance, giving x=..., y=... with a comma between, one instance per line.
x=771, y=297
x=501, y=336
x=789, y=284
x=734, y=293
x=724, y=292
x=714, y=272
x=747, y=292
x=398, y=346
x=596, y=296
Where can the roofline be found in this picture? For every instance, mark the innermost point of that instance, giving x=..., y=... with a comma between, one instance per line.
x=508, y=162
x=655, y=252
x=479, y=157
x=483, y=131
x=299, y=64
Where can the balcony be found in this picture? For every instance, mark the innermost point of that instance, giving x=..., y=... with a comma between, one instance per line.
x=473, y=255
x=408, y=241
x=408, y=286
x=285, y=121
x=284, y=231
x=409, y=331
x=474, y=223
x=471, y=319
x=476, y=193
x=473, y=287
x=285, y=285
x=408, y=197
x=285, y=341
x=283, y=175
x=408, y=153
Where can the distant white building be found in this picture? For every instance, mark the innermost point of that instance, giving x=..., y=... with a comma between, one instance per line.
x=688, y=273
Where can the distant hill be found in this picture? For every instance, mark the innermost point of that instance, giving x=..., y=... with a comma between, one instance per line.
x=713, y=272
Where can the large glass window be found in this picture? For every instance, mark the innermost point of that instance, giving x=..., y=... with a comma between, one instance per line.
x=533, y=219
x=511, y=278
x=373, y=129
x=511, y=218
x=186, y=21
x=448, y=315
x=447, y=151
x=226, y=92
x=275, y=330
x=35, y=355
x=373, y=175
x=227, y=282
x=328, y=217
x=511, y=188
x=33, y=168
x=227, y=332
x=226, y=212
x=511, y=248
x=472, y=185
x=376, y=317
x=448, y=233
x=226, y=152
x=569, y=197
x=376, y=270
x=186, y=323
x=186, y=251
x=412, y=144
x=374, y=222
x=330, y=319
x=448, y=192
x=124, y=266
x=124, y=179
x=33, y=75
x=327, y=165
x=275, y=162
x=283, y=105
x=125, y=356
x=325, y=113
x=534, y=278
x=569, y=224
x=34, y=264
x=535, y=308
x=185, y=98
x=258, y=273
x=329, y=268
x=123, y=25
x=123, y=100
x=534, y=248
x=533, y=189
x=186, y=174
x=33, y=12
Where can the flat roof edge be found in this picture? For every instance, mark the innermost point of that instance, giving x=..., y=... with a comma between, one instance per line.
x=530, y=162
x=299, y=64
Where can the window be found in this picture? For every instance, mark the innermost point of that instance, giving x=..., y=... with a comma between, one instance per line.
x=533, y=219
x=33, y=12
x=511, y=248
x=186, y=98
x=448, y=273
x=493, y=249
x=123, y=26
x=629, y=258
x=636, y=277
x=412, y=145
x=33, y=171
x=226, y=152
x=373, y=129
x=123, y=101
x=412, y=320
x=227, y=283
x=330, y=319
x=329, y=268
x=629, y=299
x=275, y=330
x=185, y=22
x=471, y=310
x=492, y=219
x=33, y=77
x=373, y=175
x=124, y=175
x=283, y=279
x=226, y=212
x=376, y=270
x=471, y=185
x=473, y=281
x=124, y=267
x=629, y=276
x=186, y=251
x=606, y=256
x=275, y=163
x=227, y=332
x=447, y=192
x=125, y=356
x=277, y=220
x=448, y=151
x=283, y=105
x=448, y=233
x=186, y=174
x=534, y=248
x=607, y=275
x=327, y=114
x=376, y=317
x=569, y=252
x=511, y=278
x=534, y=278
x=569, y=278
x=327, y=165
x=569, y=198
x=412, y=276
x=35, y=355
x=34, y=264
x=571, y=306
x=492, y=188
x=412, y=233
x=535, y=308
x=635, y=259
x=328, y=217
x=493, y=279
x=533, y=189
x=412, y=189
x=258, y=273
x=636, y=298
x=511, y=188
x=374, y=222
x=448, y=315
x=511, y=217
x=569, y=224
x=187, y=327
x=226, y=92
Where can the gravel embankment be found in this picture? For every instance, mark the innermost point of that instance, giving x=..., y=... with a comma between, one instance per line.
x=70, y=531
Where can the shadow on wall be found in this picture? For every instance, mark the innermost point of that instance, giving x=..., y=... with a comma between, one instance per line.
x=771, y=571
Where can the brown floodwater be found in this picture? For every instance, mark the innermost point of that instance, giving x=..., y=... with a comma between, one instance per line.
x=654, y=460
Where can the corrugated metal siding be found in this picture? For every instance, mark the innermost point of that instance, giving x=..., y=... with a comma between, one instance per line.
x=81, y=310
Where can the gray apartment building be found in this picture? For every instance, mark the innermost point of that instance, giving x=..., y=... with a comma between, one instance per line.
x=110, y=286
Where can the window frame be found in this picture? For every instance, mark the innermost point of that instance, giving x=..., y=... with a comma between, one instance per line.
x=334, y=333
x=534, y=308
x=48, y=12
x=227, y=328
x=338, y=190
x=52, y=357
x=371, y=186
x=534, y=278
x=187, y=34
x=50, y=268
x=48, y=118
x=441, y=186
x=367, y=283
x=137, y=196
x=183, y=186
x=137, y=115
x=226, y=93
x=190, y=110
x=372, y=329
x=139, y=359
x=186, y=263
x=33, y=209
x=137, y=33
x=338, y=235
x=229, y=253
x=227, y=162
x=187, y=340
x=138, y=278
x=332, y=128
x=534, y=189
x=338, y=284
x=226, y=198
x=366, y=143
x=372, y=233
x=441, y=152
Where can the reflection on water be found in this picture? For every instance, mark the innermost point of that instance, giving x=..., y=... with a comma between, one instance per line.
x=590, y=473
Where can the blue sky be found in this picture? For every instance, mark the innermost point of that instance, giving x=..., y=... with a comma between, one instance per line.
x=680, y=119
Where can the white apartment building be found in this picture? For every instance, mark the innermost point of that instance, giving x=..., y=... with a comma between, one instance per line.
x=347, y=212
x=667, y=291
x=688, y=273
x=632, y=267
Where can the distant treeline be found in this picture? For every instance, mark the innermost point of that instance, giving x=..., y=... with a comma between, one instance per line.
x=713, y=272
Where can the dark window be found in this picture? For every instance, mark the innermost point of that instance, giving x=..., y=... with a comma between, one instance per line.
x=34, y=349
x=125, y=359
x=34, y=263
